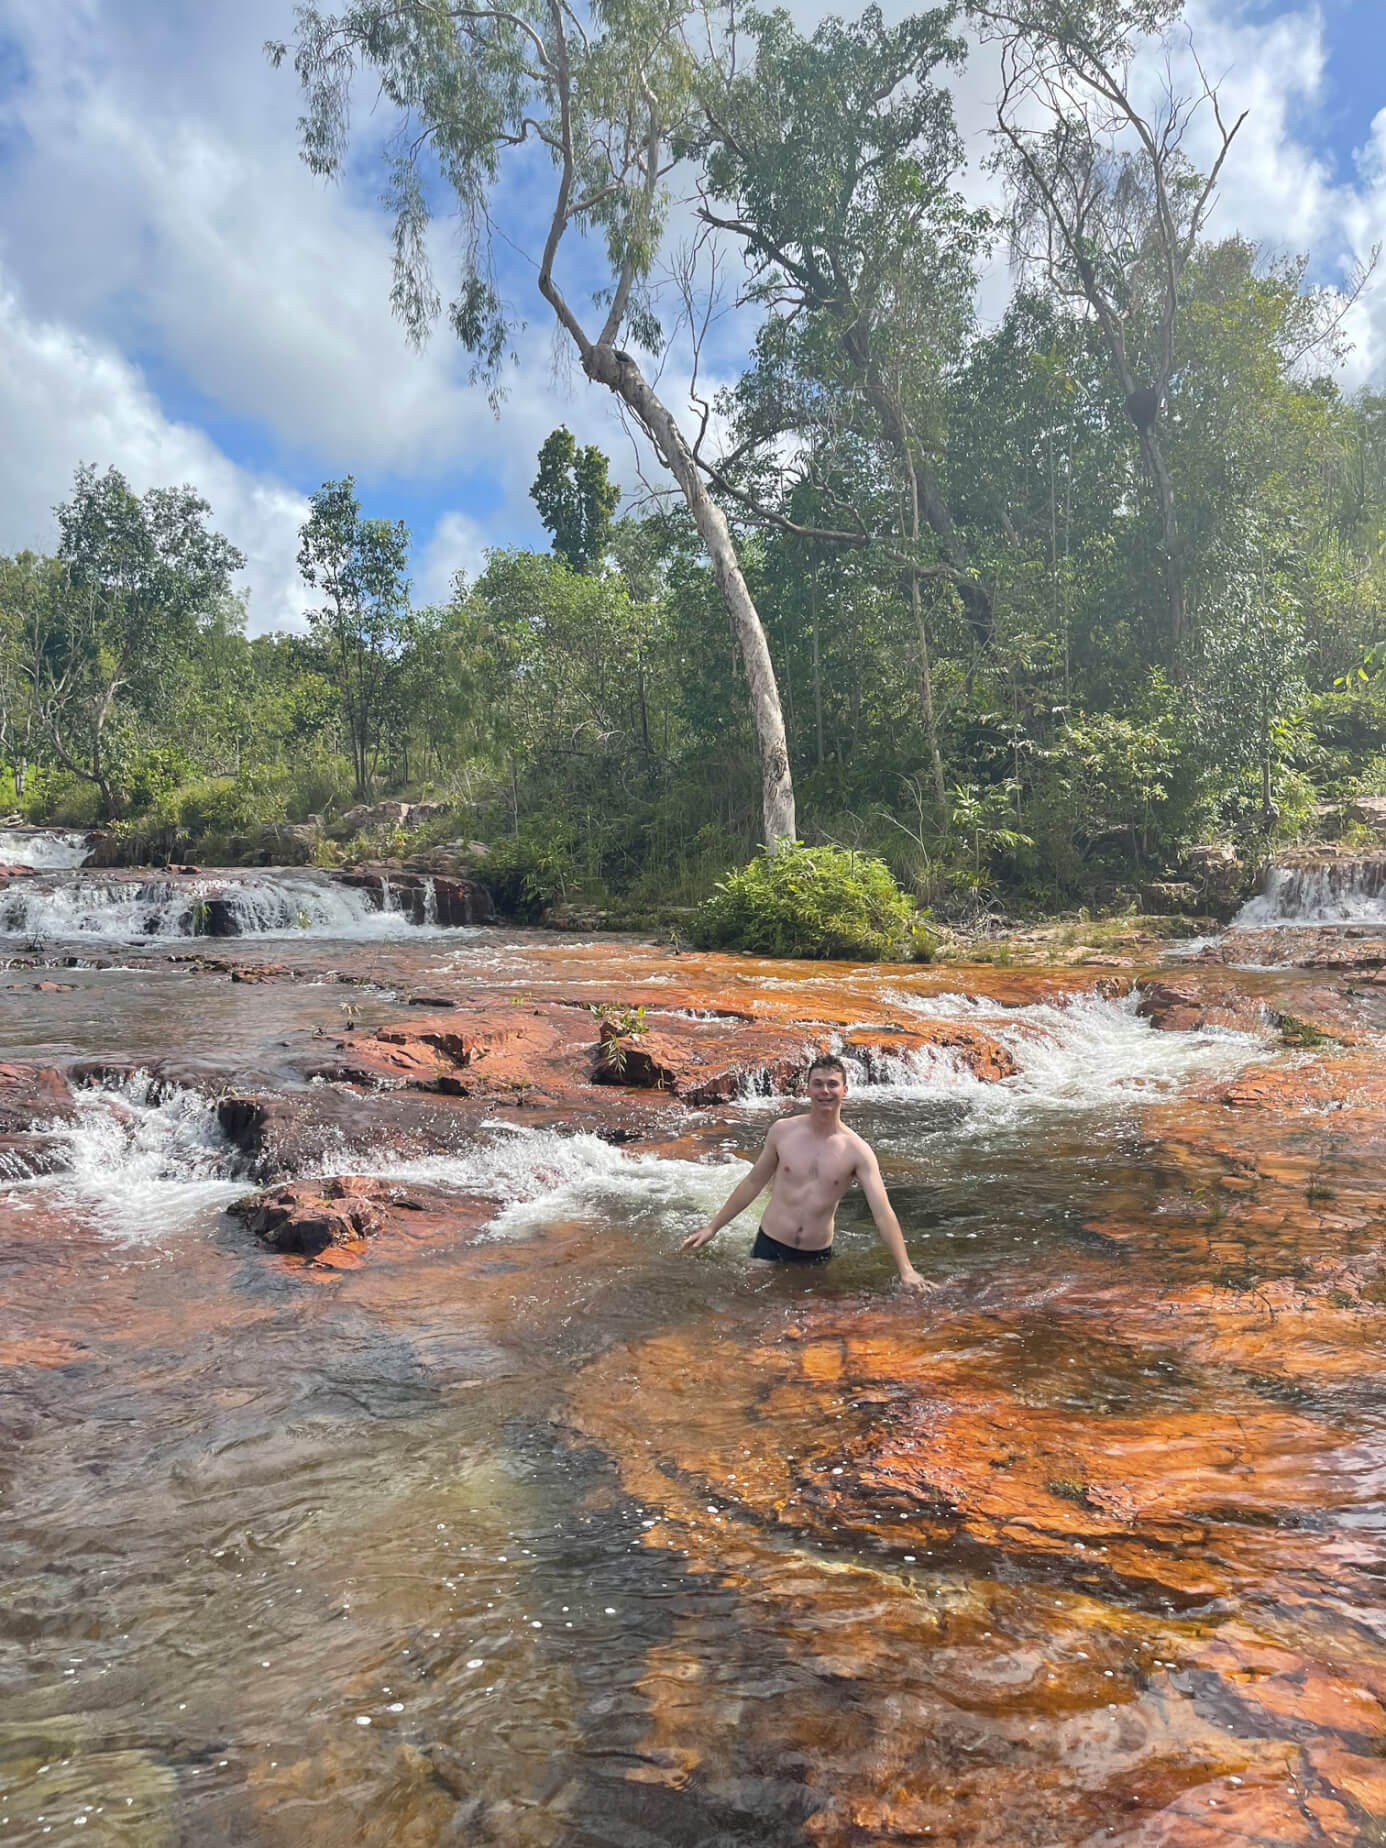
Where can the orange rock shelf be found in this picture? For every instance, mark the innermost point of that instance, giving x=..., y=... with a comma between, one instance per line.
x=552, y=1051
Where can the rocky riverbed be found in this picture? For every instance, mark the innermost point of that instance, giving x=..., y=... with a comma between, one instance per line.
x=374, y=1469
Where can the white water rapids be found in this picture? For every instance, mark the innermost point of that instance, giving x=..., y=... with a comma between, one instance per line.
x=271, y=904
x=143, y=1162
x=45, y=848
x=1335, y=892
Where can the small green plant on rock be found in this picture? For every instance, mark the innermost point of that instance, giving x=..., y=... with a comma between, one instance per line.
x=819, y=902
x=617, y=1030
x=1303, y=1034
x=1068, y=1488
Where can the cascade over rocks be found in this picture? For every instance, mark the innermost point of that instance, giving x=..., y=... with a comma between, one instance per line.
x=31, y=1095
x=1089, y=1541
x=450, y=901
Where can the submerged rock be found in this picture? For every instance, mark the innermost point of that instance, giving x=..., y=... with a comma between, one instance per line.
x=308, y=1216
x=32, y=1095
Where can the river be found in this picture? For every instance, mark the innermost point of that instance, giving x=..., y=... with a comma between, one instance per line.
x=513, y=1526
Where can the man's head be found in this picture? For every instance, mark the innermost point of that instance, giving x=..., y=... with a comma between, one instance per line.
x=827, y=1080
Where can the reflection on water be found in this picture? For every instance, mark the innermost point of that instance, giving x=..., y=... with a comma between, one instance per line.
x=552, y=1536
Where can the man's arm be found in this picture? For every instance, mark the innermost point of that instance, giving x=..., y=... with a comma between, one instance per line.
x=869, y=1174
x=741, y=1195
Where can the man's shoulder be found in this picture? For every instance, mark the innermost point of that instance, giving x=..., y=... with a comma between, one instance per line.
x=860, y=1147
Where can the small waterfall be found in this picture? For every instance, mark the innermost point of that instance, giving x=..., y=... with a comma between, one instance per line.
x=430, y=901
x=1330, y=892
x=142, y=1157
x=1083, y=1054
x=46, y=849
x=252, y=905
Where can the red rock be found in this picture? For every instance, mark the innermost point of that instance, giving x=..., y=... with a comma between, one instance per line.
x=1183, y=1004
x=702, y=1061
x=309, y=1216
x=32, y=1094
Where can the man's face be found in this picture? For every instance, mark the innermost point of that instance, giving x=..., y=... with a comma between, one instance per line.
x=826, y=1087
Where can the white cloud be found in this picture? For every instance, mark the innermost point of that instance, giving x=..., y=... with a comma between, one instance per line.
x=161, y=234
x=458, y=544
x=65, y=399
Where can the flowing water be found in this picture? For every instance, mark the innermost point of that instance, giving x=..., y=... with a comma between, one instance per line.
x=525, y=1529
x=121, y=908
x=46, y=848
x=1336, y=892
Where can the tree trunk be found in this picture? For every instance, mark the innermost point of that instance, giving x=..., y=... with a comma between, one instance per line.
x=817, y=661
x=1169, y=521
x=926, y=677
x=973, y=594
x=621, y=375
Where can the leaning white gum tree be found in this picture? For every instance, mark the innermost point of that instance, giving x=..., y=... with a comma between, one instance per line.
x=610, y=93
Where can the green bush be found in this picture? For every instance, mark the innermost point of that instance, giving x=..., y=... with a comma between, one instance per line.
x=816, y=902
x=228, y=805
x=529, y=871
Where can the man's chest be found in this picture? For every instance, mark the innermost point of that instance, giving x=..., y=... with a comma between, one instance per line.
x=809, y=1165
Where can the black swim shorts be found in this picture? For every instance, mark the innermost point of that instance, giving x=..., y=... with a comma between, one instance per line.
x=776, y=1253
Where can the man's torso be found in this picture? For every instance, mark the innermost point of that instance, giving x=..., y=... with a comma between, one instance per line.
x=813, y=1173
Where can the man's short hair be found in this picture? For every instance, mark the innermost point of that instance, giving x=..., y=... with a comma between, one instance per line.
x=827, y=1062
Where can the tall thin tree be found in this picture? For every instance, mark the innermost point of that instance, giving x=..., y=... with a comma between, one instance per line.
x=609, y=98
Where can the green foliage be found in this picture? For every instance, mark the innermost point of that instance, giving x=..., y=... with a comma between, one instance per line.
x=94, y=640
x=364, y=622
x=617, y=1030
x=532, y=869
x=823, y=902
x=575, y=500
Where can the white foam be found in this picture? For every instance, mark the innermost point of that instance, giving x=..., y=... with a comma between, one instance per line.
x=47, y=848
x=1083, y=1053
x=539, y=1175
x=143, y=1160
x=262, y=905
x=1337, y=892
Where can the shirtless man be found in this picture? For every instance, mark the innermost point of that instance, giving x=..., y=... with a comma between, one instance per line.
x=810, y=1161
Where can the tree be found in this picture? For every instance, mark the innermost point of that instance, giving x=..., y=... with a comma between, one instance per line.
x=836, y=156
x=1251, y=692
x=23, y=595
x=575, y=500
x=610, y=102
x=1106, y=204
x=359, y=565
x=135, y=577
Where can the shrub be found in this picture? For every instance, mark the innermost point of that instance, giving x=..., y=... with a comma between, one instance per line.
x=222, y=805
x=812, y=901
x=529, y=871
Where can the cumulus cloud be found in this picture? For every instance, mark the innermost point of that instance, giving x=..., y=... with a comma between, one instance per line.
x=459, y=543
x=181, y=297
x=68, y=398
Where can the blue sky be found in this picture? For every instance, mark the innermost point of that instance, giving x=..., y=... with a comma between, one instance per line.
x=180, y=297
